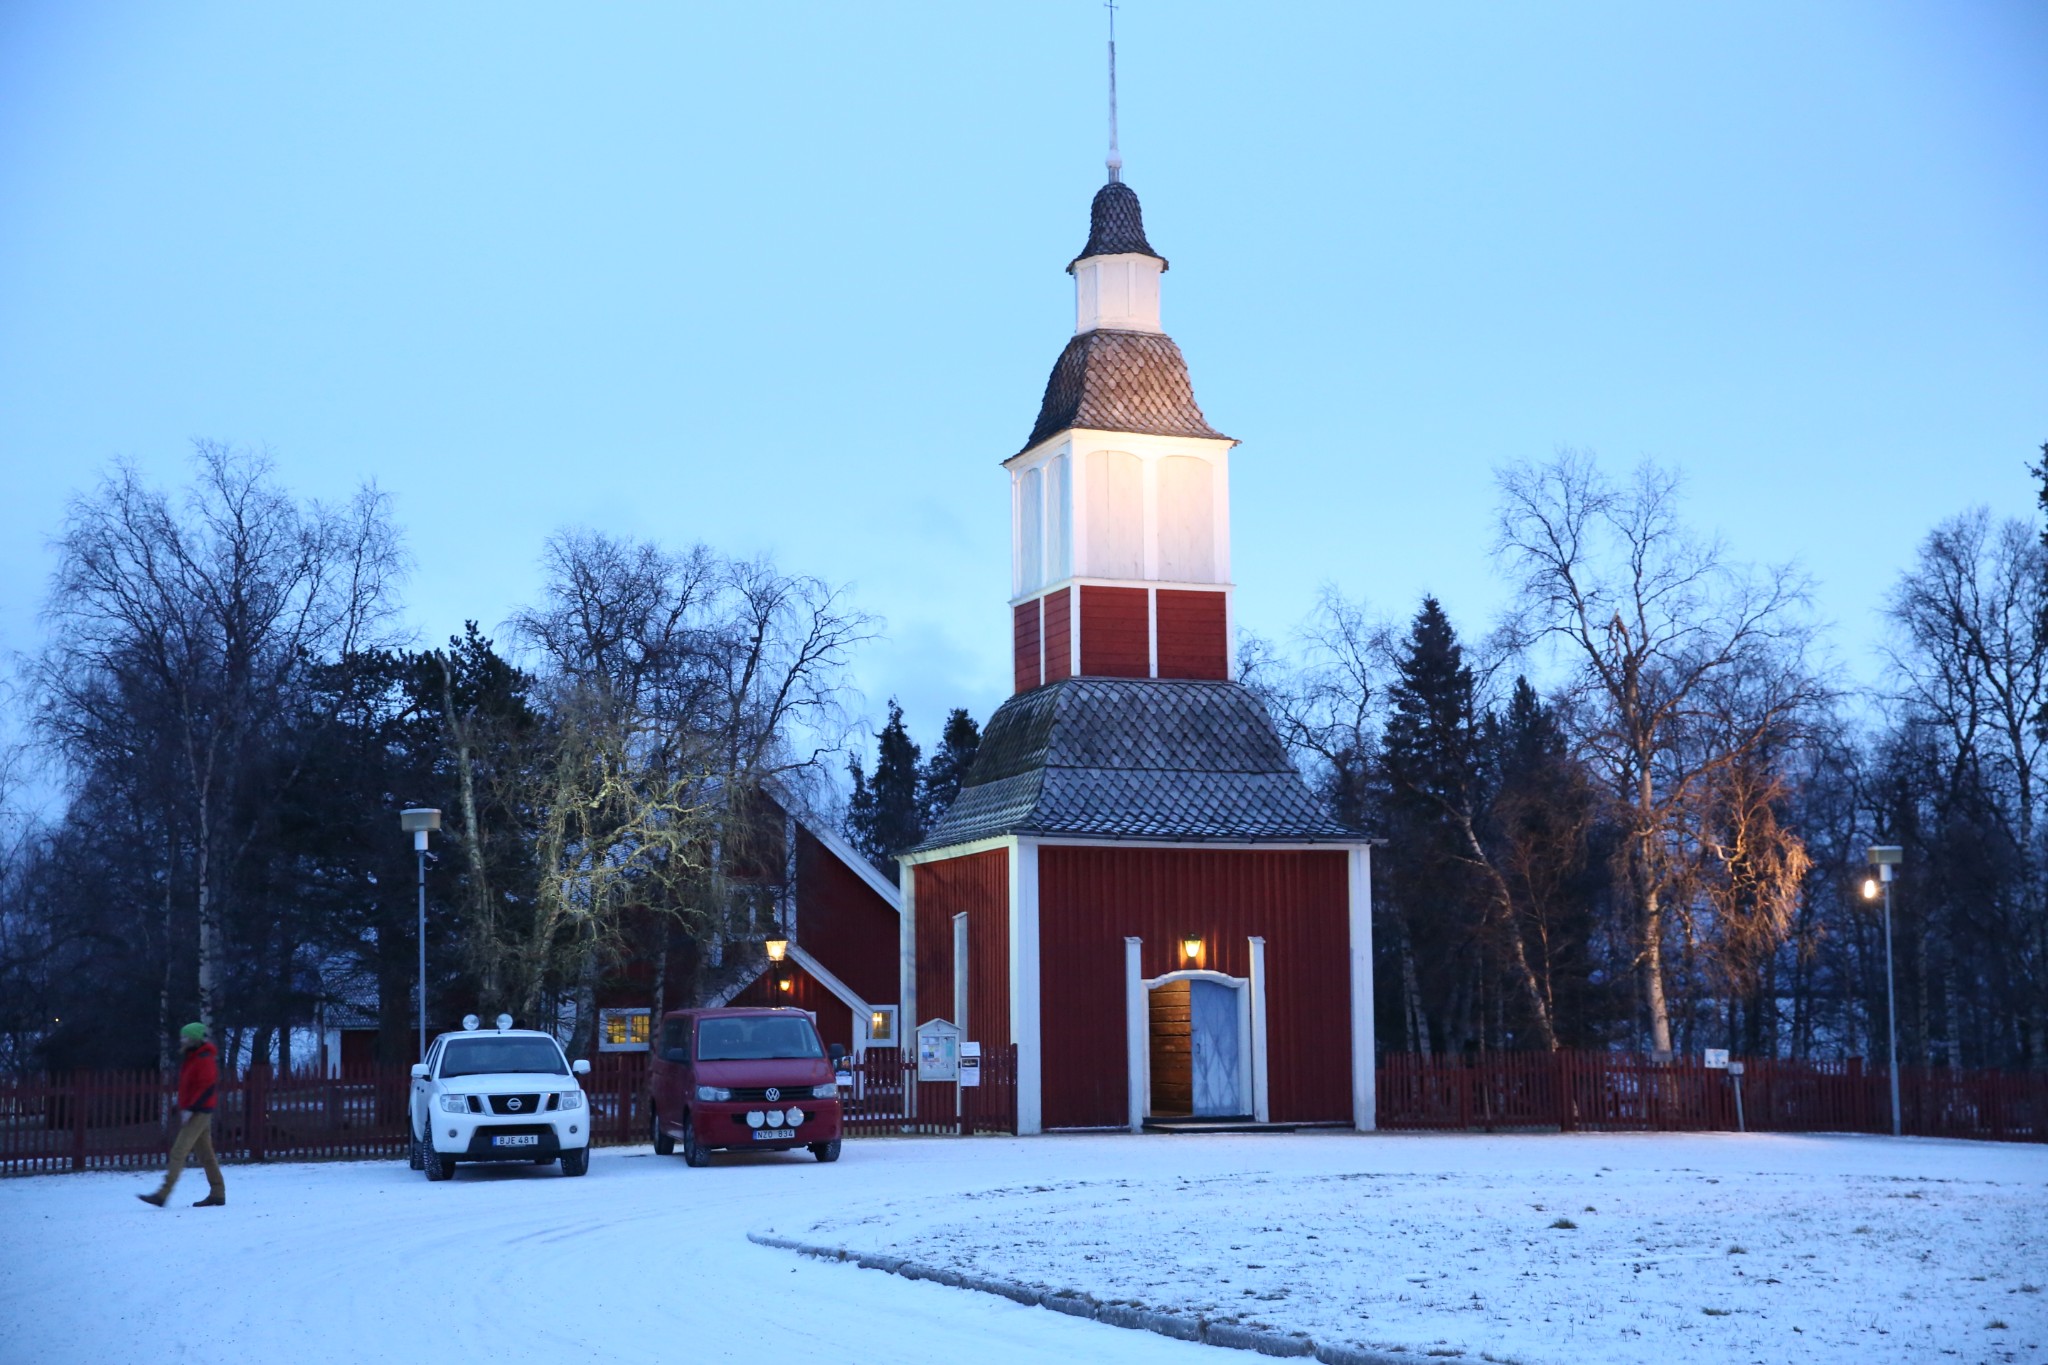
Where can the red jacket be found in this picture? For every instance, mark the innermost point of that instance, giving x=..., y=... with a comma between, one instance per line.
x=198, y=1078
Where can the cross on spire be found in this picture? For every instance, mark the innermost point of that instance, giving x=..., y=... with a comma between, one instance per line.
x=1116, y=159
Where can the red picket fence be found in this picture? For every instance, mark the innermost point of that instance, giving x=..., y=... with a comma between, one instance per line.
x=98, y=1121
x=118, y=1120
x=1617, y=1092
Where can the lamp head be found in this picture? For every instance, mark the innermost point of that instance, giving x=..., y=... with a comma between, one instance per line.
x=1870, y=888
x=1191, y=947
x=778, y=948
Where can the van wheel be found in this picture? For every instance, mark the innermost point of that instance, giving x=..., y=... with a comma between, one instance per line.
x=437, y=1165
x=693, y=1155
x=576, y=1161
x=663, y=1143
x=826, y=1151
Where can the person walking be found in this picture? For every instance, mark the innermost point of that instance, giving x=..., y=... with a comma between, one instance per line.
x=198, y=1080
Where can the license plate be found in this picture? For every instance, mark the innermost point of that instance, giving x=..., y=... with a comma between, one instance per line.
x=772, y=1134
x=517, y=1140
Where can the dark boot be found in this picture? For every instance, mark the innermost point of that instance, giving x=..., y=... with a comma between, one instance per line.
x=156, y=1199
x=216, y=1200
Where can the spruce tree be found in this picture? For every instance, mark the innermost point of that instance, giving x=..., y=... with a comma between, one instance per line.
x=949, y=764
x=1431, y=743
x=883, y=818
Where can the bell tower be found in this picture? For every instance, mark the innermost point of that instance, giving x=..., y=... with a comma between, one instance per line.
x=1120, y=498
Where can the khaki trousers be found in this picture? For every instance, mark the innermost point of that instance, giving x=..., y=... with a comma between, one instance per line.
x=195, y=1137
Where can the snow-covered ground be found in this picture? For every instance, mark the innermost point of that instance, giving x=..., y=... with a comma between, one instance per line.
x=1543, y=1249
x=1870, y=1248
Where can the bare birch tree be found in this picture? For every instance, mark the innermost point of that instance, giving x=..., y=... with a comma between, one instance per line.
x=213, y=608
x=1647, y=618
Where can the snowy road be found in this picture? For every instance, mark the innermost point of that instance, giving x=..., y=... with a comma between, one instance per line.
x=647, y=1260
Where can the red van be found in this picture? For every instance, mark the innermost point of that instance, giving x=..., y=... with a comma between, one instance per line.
x=742, y=1079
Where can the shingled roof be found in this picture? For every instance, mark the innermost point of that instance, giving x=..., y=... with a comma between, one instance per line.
x=1121, y=381
x=1116, y=226
x=1135, y=758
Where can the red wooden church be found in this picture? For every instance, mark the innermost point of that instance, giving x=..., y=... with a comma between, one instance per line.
x=1135, y=886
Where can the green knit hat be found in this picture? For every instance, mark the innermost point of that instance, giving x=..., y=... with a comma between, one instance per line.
x=193, y=1033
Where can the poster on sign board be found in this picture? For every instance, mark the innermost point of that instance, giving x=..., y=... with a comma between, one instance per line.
x=938, y=1051
x=970, y=1063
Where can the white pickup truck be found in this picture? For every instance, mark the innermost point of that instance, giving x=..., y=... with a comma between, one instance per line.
x=500, y=1094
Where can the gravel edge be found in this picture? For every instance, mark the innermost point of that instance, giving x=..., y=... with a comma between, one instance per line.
x=1180, y=1326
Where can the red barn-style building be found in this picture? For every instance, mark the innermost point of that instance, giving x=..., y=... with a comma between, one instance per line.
x=1135, y=886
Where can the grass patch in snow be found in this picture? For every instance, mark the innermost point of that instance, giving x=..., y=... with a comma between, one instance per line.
x=1567, y=1224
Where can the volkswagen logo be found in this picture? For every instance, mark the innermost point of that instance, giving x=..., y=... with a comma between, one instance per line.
x=514, y=1103
x=772, y=1095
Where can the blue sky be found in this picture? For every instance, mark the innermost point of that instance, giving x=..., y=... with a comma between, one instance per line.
x=788, y=278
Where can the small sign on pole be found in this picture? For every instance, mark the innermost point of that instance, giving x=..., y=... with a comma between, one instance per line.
x=970, y=1064
x=1717, y=1059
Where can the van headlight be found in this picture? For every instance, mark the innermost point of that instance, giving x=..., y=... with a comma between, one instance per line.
x=455, y=1104
x=571, y=1099
x=713, y=1093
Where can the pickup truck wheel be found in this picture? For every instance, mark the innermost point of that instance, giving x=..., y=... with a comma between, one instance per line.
x=826, y=1151
x=663, y=1143
x=576, y=1161
x=693, y=1155
x=436, y=1165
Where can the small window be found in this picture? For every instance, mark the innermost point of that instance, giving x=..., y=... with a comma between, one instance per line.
x=882, y=1026
x=624, y=1030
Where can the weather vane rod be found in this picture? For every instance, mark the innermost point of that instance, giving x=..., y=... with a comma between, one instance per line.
x=1116, y=159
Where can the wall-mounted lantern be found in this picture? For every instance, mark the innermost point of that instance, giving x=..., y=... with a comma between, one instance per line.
x=1191, y=947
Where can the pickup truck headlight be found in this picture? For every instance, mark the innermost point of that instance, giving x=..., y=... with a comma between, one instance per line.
x=827, y=1091
x=455, y=1104
x=713, y=1092
x=571, y=1099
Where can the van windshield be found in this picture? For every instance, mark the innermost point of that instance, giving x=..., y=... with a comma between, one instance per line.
x=486, y=1056
x=758, y=1039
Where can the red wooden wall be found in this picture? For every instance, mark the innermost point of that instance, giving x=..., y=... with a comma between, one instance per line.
x=1059, y=639
x=835, y=1020
x=979, y=885
x=1024, y=625
x=1192, y=635
x=1089, y=899
x=842, y=922
x=1116, y=633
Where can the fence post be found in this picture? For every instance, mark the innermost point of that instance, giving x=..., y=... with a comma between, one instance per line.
x=256, y=1108
x=1561, y=1080
x=78, y=1087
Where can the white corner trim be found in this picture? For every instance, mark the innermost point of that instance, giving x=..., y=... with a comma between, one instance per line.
x=1364, y=1078
x=1137, y=1033
x=906, y=957
x=1262, y=1107
x=1024, y=999
x=818, y=972
x=960, y=967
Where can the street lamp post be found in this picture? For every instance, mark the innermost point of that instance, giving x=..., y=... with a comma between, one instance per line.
x=419, y=821
x=1884, y=857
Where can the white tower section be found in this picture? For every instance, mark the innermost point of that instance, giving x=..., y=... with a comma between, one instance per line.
x=1120, y=291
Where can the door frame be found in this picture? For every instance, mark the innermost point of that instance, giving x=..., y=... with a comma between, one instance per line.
x=1251, y=1028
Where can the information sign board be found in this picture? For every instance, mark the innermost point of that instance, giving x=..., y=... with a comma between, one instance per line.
x=1717, y=1059
x=938, y=1051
